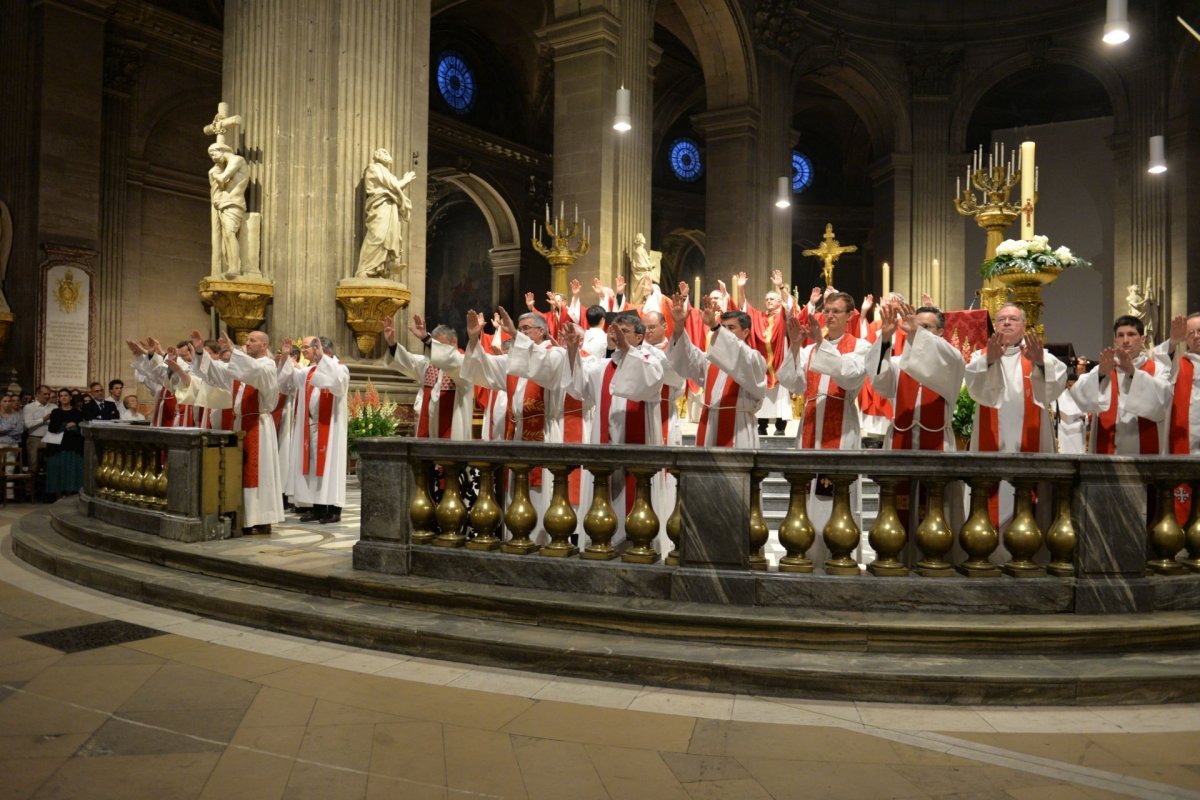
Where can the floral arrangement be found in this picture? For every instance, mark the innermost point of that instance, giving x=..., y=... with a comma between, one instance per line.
x=964, y=414
x=370, y=415
x=1029, y=255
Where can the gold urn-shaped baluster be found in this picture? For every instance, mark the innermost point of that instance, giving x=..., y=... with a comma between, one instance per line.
x=641, y=524
x=1166, y=536
x=758, y=528
x=1061, y=537
x=797, y=534
x=560, y=518
x=451, y=513
x=161, y=484
x=484, y=518
x=1192, y=533
x=888, y=535
x=421, y=510
x=110, y=471
x=138, y=479
x=978, y=537
x=123, y=476
x=841, y=532
x=934, y=537
x=674, y=526
x=521, y=517
x=600, y=521
x=1023, y=537
x=102, y=468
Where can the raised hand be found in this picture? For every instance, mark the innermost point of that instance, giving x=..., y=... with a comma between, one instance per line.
x=1125, y=362
x=678, y=309
x=888, y=316
x=1108, y=361
x=222, y=341
x=647, y=286
x=389, y=333
x=995, y=347
x=814, y=330
x=495, y=321
x=740, y=280
x=830, y=290
x=576, y=286
x=1034, y=350
x=927, y=300
x=598, y=286
x=474, y=325
x=683, y=289
x=721, y=290
x=416, y=328
x=796, y=334
x=197, y=342
x=906, y=319
x=814, y=296
x=867, y=303
x=777, y=278
x=1178, y=330
x=135, y=348
x=529, y=300
x=153, y=346
x=710, y=315
x=619, y=284
x=506, y=322
x=552, y=299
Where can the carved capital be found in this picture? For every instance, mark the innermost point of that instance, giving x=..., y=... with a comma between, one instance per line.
x=932, y=70
x=367, y=303
x=241, y=302
x=122, y=66
x=778, y=25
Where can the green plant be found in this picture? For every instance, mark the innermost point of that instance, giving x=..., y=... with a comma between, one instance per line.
x=370, y=415
x=1029, y=255
x=964, y=414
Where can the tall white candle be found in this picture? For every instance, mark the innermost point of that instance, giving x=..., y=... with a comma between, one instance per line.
x=937, y=281
x=1028, y=187
x=887, y=278
x=577, y=213
x=958, y=187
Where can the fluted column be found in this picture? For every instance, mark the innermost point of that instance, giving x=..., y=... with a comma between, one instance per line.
x=732, y=208
x=774, y=234
x=637, y=57
x=893, y=177
x=320, y=85
x=931, y=208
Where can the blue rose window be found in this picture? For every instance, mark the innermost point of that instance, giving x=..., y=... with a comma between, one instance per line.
x=685, y=160
x=456, y=82
x=801, y=172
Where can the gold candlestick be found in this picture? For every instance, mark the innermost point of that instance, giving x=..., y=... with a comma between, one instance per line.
x=993, y=212
x=560, y=253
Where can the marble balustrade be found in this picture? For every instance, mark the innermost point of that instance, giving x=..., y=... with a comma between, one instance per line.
x=1078, y=522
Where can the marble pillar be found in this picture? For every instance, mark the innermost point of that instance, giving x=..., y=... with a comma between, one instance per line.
x=321, y=84
x=775, y=141
x=893, y=178
x=932, y=191
x=733, y=207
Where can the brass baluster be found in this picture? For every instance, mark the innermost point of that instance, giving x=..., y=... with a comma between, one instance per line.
x=1060, y=537
x=1023, y=537
x=136, y=474
x=978, y=537
x=758, y=528
x=146, y=477
x=675, y=524
x=451, y=513
x=1166, y=536
x=521, y=517
x=484, y=518
x=841, y=532
x=934, y=537
x=641, y=525
x=161, y=484
x=888, y=535
x=600, y=521
x=1192, y=532
x=797, y=534
x=560, y=518
x=122, y=493
x=421, y=509
x=110, y=471
x=102, y=471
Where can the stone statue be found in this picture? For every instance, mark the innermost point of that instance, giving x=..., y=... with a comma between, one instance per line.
x=227, y=181
x=6, y=240
x=644, y=262
x=386, y=205
x=1143, y=304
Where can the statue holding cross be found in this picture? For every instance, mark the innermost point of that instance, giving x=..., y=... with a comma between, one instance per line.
x=227, y=181
x=829, y=251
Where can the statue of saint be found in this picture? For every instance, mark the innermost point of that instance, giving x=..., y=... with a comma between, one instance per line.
x=385, y=206
x=644, y=262
x=227, y=182
x=1144, y=305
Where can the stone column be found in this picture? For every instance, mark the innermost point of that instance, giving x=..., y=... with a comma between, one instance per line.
x=893, y=176
x=321, y=84
x=775, y=140
x=733, y=202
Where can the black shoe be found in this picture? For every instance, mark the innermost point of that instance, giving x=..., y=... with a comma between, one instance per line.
x=781, y=430
x=261, y=530
x=310, y=515
x=762, y=429
x=330, y=519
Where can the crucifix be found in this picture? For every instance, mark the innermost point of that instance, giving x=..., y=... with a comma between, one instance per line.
x=223, y=123
x=829, y=251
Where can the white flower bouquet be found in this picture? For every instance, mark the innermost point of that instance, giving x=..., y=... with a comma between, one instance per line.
x=1030, y=255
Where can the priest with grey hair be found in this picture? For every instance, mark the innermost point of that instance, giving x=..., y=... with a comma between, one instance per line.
x=446, y=400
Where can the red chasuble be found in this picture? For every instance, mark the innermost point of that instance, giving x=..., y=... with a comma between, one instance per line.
x=1106, y=422
x=324, y=418
x=835, y=404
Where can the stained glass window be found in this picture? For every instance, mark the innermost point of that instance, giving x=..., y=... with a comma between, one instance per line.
x=456, y=82
x=801, y=172
x=685, y=160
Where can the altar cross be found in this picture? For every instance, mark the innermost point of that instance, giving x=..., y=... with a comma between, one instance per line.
x=829, y=251
x=223, y=123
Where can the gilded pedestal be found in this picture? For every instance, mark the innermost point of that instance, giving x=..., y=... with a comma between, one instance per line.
x=241, y=302
x=1026, y=288
x=6, y=321
x=367, y=303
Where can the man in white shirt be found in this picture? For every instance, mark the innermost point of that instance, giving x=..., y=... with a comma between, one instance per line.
x=36, y=416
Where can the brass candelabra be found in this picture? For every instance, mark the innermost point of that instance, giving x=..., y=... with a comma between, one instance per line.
x=560, y=253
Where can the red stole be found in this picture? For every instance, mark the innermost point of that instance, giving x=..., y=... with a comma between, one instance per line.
x=324, y=418
x=1179, y=432
x=909, y=415
x=726, y=409
x=1106, y=422
x=446, y=396
x=768, y=335
x=835, y=404
x=247, y=406
x=573, y=434
x=1031, y=431
x=533, y=412
x=164, y=408
x=635, y=425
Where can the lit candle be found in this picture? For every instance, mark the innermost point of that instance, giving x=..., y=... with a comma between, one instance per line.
x=562, y=210
x=547, y=215
x=696, y=299
x=1028, y=187
x=937, y=281
x=958, y=187
x=887, y=278
x=1035, y=178
x=533, y=230
x=577, y=213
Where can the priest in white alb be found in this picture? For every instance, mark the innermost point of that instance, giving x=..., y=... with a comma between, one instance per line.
x=446, y=400
x=251, y=377
x=319, y=439
x=1183, y=432
x=732, y=373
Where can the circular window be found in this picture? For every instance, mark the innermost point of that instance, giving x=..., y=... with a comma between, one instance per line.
x=456, y=82
x=685, y=160
x=801, y=172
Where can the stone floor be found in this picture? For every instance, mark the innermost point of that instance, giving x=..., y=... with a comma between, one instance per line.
x=161, y=704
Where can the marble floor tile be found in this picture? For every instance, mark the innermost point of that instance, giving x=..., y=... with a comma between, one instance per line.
x=32, y=745
x=1046, y=720
x=710, y=705
x=278, y=740
x=184, y=686
x=23, y=776
x=738, y=789
x=242, y=775
x=553, y=770
x=328, y=712
x=482, y=761
x=690, y=768
x=272, y=706
x=590, y=693
x=502, y=681
x=411, y=751
x=365, y=661
x=633, y=774
x=604, y=726
x=101, y=687
x=119, y=737
x=347, y=746
x=319, y=782
x=422, y=670
x=922, y=717
x=801, y=780
x=150, y=777
x=1152, y=719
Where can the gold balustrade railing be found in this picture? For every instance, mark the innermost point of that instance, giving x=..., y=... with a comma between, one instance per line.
x=132, y=474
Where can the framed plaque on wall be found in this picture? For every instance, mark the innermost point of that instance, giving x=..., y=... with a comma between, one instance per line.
x=66, y=317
